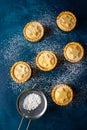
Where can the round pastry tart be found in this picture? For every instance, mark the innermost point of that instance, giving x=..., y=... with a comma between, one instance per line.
x=46, y=60
x=73, y=52
x=33, y=31
x=62, y=94
x=20, y=72
x=66, y=21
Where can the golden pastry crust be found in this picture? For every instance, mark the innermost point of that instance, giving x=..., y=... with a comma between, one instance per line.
x=20, y=72
x=66, y=21
x=46, y=60
x=73, y=52
x=33, y=31
x=62, y=94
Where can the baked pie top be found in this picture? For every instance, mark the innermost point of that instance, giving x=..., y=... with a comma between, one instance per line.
x=73, y=52
x=62, y=94
x=46, y=60
x=20, y=71
x=33, y=31
x=66, y=21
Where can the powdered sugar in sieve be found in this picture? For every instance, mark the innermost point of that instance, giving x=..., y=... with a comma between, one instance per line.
x=31, y=102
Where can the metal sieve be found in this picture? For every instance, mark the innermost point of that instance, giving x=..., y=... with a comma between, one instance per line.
x=33, y=114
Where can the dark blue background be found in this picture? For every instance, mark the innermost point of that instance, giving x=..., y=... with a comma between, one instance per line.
x=14, y=14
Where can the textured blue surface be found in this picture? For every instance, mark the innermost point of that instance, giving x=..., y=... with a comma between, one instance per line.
x=14, y=14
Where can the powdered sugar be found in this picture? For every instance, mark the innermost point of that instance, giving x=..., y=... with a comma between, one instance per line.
x=31, y=102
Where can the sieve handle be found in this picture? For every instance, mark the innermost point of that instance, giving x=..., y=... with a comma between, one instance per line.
x=20, y=123
x=28, y=125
